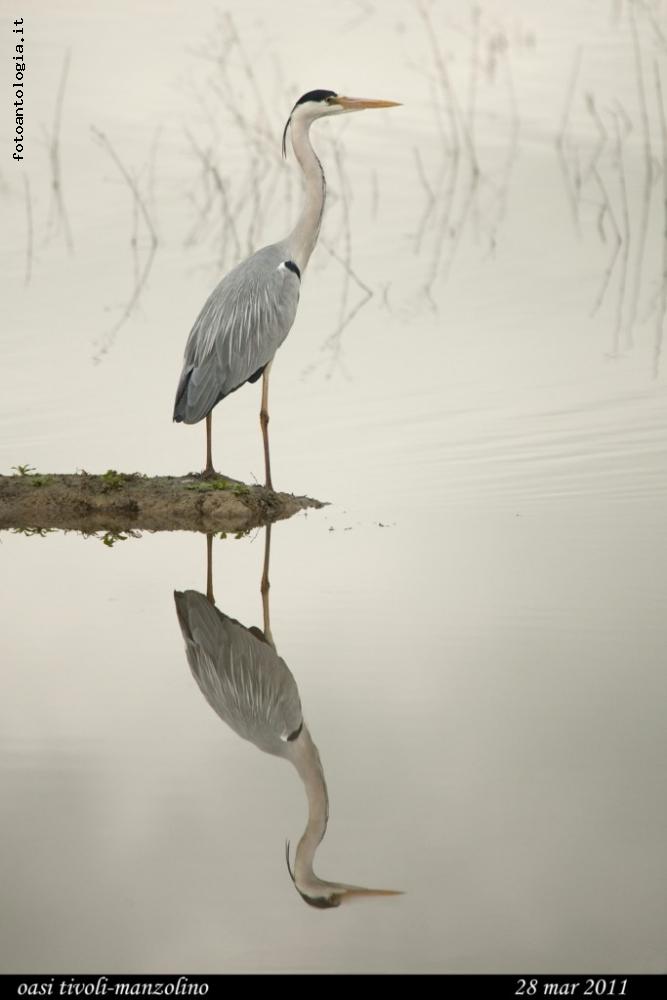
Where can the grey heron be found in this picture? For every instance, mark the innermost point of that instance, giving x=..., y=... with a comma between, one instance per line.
x=251, y=688
x=248, y=315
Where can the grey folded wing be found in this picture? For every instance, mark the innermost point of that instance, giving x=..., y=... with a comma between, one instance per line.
x=241, y=676
x=243, y=323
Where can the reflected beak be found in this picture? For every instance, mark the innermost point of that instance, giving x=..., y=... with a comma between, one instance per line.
x=361, y=103
x=358, y=891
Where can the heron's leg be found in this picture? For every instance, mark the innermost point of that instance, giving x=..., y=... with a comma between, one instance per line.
x=265, y=587
x=209, y=470
x=209, y=567
x=264, y=421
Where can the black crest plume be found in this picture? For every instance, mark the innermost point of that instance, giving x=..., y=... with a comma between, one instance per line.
x=312, y=95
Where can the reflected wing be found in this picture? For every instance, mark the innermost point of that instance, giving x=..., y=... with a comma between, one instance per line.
x=241, y=676
x=242, y=325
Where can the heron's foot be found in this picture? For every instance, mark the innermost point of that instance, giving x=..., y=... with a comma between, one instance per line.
x=208, y=475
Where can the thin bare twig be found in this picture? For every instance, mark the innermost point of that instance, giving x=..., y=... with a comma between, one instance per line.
x=375, y=194
x=430, y=199
x=474, y=72
x=625, y=249
x=139, y=206
x=333, y=341
x=250, y=75
x=561, y=138
x=661, y=38
x=648, y=182
x=457, y=123
x=347, y=246
x=29, y=229
x=58, y=210
x=511, y=155
x=229, y=224
x=606, y=203
x=662, y=311
x=443, y=228
x=152, y=159
x=603, y=136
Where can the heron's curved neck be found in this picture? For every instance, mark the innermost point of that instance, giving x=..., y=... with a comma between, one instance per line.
x=306, y=759
x=303, y=237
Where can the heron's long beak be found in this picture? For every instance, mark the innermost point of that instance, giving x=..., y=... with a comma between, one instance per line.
x=325, y=895
x=360, y=103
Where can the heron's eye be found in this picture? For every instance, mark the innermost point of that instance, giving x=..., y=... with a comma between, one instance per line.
x=331, y=100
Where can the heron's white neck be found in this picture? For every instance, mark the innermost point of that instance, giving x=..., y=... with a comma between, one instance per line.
x=302, y=239
x=304, y=755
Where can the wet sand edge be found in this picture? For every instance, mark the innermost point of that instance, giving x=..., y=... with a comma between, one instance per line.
x=118, y=501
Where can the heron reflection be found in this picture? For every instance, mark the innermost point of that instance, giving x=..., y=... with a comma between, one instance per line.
x=251, y=688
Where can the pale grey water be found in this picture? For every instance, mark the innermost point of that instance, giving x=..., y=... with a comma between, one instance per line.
x=477, y=622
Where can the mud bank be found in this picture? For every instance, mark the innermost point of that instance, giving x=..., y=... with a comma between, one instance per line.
x=119, y=501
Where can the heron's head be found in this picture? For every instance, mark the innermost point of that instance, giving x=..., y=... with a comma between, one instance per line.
x=325, y=895
x=318, y=103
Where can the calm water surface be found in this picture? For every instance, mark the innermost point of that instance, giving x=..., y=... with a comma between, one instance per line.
x=475, y=382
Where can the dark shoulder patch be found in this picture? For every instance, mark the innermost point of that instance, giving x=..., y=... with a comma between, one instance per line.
x=295, y=735
x=291, y=266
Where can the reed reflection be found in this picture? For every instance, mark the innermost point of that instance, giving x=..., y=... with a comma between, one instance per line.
x=251, y=688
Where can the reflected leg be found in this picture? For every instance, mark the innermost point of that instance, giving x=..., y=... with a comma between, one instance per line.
x=265, y=587
x=209, y=567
